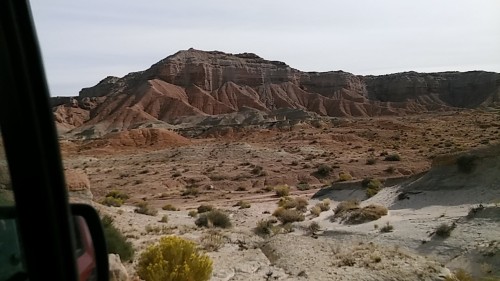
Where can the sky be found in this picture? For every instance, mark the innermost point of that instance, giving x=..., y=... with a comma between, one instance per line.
x=82, y=42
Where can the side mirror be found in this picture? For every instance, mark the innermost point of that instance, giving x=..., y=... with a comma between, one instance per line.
x=91, y=250
x=90, y=245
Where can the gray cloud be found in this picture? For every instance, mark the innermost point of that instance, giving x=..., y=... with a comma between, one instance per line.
x=84, y=41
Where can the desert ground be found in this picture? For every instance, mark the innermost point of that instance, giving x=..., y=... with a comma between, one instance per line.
x=327, y=158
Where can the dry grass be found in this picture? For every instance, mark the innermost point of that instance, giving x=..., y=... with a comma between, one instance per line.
x=264, y=227
x=287, y=202
x=350, y=212
x=145, y=209
x=315, y=211
x=301, y=204
x=346, y=206
x=213, y=240
x=169, y=207
x=288, y=215
x=282, y=190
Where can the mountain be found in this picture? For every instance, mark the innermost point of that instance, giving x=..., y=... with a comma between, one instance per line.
x=192, y=85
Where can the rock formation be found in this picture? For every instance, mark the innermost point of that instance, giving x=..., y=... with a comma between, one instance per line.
x=196, y=83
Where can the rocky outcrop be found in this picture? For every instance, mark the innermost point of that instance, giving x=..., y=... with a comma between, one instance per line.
x=117, y=271
x=199, y=83
x=78, y=186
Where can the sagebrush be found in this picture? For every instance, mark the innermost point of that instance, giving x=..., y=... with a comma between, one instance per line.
x=174, y=259
x=116, y=242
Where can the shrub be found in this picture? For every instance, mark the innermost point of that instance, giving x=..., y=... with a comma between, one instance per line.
x=373, y=186
x=301, y=204
x=313, y=227
x=350, y=212
x=157, y=229
x=444, y=230
x=288, y=215
x=315, y=211
x=112, y=201
x=466, y=163
x=118, y=194
x=390, y=169
x=216, y=218
x=257, y=170
x=282, y=190
x=345, y=176
x=287, y=202
x=164, y=219
x=392, y=157
x=242, y=204
x=115, y=241
x=461, y=275
x=192, y=213
x=323, y=170
x=213, y=241
x=205, y=208
x=324, y=205
x=371, y=161
x=346, y=206
x=387, y=228
x=174, y=258
x=368, y=213
x=303, y=186
x=194, y=191
x=169, y=207
x=145, y=209
x=264, y=227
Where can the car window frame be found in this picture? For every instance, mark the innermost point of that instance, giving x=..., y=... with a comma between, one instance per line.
x=32, y=149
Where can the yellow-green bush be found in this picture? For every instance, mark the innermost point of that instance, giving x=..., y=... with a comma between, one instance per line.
x=174, y=259
x=282, y=190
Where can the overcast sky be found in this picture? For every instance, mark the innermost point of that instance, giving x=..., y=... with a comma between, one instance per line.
x=84, y=41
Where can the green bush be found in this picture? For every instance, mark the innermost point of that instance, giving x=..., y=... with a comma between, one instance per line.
x=216, y=218
x=174, y=259
x=373, y=186
x=116, y=242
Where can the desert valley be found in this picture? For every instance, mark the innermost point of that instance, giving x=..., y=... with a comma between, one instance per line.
x=279, y=174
